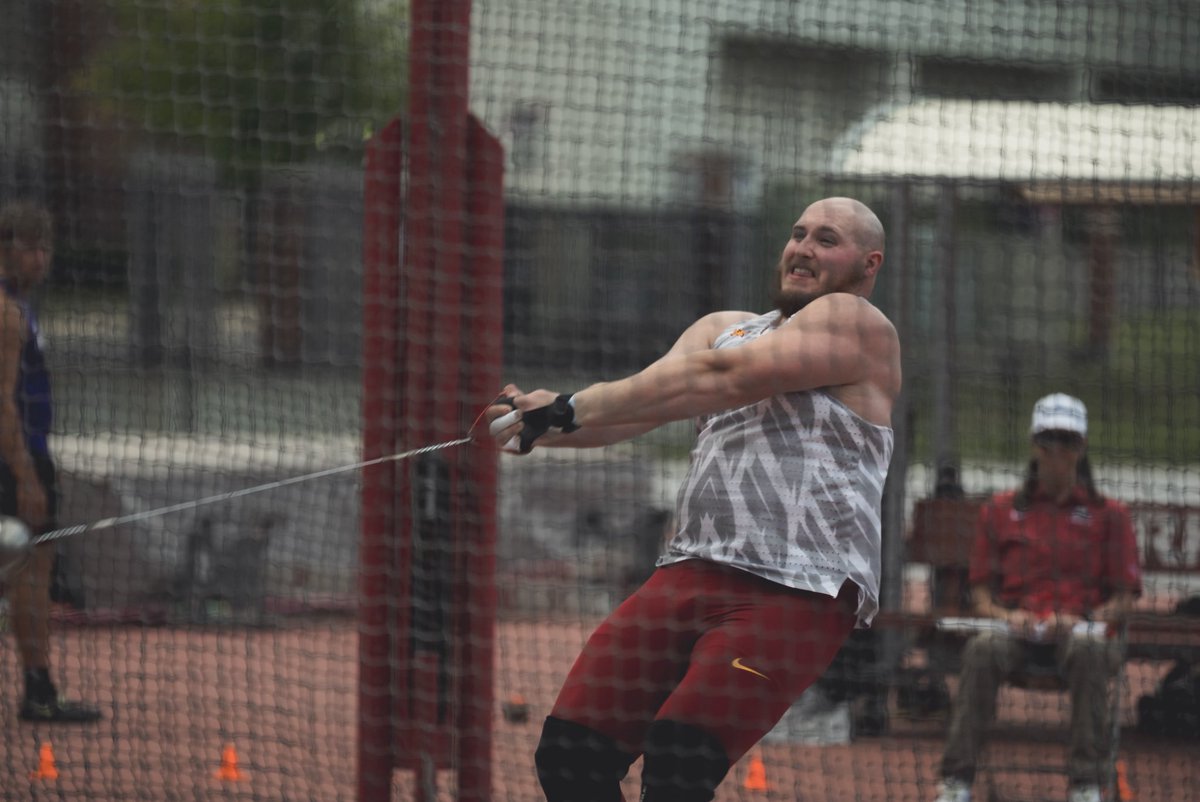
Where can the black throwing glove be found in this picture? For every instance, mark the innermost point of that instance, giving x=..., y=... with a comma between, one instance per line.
x=559, y=415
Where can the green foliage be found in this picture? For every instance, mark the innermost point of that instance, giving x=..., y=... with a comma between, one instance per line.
x=252, y=82
x=1143, y=397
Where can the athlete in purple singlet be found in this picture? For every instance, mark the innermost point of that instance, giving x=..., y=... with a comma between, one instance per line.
x=28, y=486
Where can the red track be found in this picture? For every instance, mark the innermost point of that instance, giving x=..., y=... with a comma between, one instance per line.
x=286, y=699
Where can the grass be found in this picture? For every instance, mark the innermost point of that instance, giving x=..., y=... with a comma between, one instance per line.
x=1143, y=398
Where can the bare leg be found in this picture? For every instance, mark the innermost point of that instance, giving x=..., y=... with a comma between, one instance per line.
x=29, y=607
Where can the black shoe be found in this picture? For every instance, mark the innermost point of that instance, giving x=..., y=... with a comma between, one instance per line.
x=58, y=711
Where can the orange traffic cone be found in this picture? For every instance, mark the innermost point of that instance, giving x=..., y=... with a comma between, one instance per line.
x=516, y=709
x=1124, y=790
x=229, y=765
x=756, y=775
x=46, y=769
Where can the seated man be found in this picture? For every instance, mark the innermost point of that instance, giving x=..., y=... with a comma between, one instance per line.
x=1053, y=561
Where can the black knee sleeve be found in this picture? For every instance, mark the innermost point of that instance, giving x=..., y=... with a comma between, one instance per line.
x=682, y=763
x=577, y=764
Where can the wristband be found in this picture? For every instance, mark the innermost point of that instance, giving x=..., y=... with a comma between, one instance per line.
x=562, y=414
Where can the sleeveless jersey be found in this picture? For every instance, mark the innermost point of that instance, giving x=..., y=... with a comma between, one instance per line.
x=788, y=488
x=34, y=403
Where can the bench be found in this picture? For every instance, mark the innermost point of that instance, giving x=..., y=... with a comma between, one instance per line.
x=1168, y=536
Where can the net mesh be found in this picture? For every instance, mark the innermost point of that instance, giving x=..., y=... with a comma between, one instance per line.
x=1035, y=166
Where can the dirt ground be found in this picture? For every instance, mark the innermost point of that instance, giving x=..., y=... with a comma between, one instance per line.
x=282, y=702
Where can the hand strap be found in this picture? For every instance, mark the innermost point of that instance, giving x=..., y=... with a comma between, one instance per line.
x=559, y=415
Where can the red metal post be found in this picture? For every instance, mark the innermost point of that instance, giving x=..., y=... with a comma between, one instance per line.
x=433, y=277
x=482, y=355
x=427, y=713
x=382, y=205
x=427, y=647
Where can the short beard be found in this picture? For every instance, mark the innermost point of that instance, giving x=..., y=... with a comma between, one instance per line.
x=789, y=303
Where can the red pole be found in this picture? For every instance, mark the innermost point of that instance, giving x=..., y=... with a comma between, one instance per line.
x=415, y=734
x=482, y=355
x=439, y=356
x=433, y=367
x=381, y=347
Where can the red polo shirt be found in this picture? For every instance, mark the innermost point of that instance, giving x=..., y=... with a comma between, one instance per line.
x=1053, y=557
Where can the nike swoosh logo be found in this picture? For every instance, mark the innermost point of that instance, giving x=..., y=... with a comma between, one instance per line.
x=737, y=663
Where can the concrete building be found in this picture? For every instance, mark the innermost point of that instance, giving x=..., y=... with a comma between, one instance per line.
x=626, y=102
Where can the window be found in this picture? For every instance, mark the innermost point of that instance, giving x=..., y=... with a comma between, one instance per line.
x=1126, y=86
x=977, y=80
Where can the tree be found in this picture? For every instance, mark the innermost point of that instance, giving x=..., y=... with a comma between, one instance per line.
x=253, y=83
x=247, y=85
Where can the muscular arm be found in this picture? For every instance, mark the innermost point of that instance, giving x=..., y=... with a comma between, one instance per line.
x=837, y=341
x=12, y=438
x=31, y=501
x=696, y=338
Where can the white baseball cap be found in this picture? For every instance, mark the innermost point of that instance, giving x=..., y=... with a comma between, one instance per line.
x=1061, y=412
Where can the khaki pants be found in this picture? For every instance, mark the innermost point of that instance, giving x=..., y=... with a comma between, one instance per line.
x=1085, y=664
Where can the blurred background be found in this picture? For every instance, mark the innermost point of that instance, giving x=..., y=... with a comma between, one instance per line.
x=1036, y=166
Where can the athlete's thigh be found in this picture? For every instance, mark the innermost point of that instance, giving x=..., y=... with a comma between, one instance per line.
x=630, y=663
x=750, y=667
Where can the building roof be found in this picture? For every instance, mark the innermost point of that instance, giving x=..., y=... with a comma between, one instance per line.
x=1055, y=151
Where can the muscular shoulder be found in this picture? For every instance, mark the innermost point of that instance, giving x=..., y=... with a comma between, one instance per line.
x=717, y=322
x=839, y=310
x=12, y=319
x=858, y=336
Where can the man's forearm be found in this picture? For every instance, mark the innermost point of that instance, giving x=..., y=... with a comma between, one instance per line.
x=685, y=387
x=593, y=436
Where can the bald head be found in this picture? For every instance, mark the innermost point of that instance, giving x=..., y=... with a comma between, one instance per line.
x=861, y=222
x=836, y=246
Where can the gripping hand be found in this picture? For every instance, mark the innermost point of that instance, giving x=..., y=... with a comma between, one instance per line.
x=559, y=415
